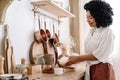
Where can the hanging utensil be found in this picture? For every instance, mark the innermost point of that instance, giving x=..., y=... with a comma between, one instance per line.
x=44, y=37
x=42, y=32
x=47, y=31
x=55, y=36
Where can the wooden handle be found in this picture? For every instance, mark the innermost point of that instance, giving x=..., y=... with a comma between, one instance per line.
x=42, y=32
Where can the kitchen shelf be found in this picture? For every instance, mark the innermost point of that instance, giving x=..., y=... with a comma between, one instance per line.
x=53, y=8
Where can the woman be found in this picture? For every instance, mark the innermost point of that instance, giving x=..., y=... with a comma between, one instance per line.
x=100, y=40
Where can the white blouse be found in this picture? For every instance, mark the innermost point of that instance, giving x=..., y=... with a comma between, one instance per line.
x=99, y=42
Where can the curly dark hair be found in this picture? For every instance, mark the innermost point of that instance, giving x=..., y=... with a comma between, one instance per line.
x=101, y=11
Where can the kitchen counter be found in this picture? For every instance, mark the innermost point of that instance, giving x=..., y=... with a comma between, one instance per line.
x=71, y=75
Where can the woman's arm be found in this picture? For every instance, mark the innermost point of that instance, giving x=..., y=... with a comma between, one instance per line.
x=75, y=59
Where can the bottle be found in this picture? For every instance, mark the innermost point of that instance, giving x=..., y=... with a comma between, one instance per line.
x=22, y=60
x=1, y=65
x=21, y=69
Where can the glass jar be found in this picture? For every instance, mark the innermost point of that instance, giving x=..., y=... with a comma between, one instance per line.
x=48, y=63
x=21, y=69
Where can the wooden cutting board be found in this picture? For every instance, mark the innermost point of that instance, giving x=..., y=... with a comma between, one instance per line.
x=10, y=64
x=8, y=56
x=35, y=49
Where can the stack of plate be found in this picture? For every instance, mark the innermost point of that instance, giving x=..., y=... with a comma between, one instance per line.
x=10, y=76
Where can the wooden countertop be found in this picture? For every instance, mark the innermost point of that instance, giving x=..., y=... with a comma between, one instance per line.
x=73, y=75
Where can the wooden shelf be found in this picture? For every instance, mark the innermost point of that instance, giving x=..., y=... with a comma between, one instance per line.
x=53, y=8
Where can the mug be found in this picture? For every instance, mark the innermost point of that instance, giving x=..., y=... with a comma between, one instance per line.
x=58, y=71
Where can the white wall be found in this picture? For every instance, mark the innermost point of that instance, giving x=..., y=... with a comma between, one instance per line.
x=116, y=27
x=20, y=19
x=84, y=29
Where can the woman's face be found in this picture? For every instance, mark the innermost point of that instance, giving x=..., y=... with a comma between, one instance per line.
x=90, y=19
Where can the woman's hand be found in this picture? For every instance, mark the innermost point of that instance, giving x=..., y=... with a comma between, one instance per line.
x=75, y=59
x=72, y=60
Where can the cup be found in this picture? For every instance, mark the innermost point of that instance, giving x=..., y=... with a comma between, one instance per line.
x=58, y=71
